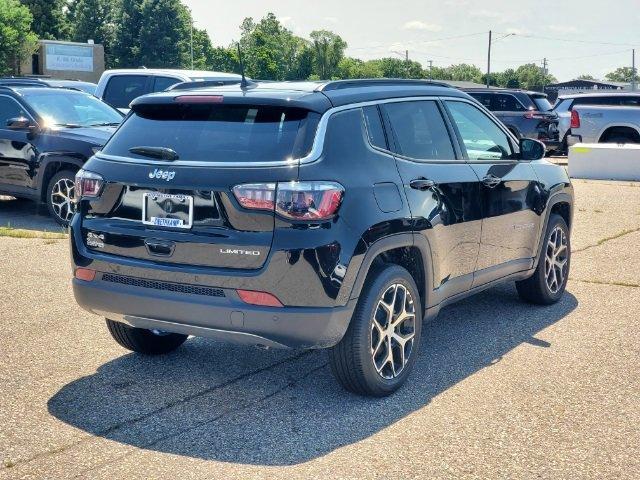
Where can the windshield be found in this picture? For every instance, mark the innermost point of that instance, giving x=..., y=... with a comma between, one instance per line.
x=70, y=108
x=542, y=104
x=216, y=133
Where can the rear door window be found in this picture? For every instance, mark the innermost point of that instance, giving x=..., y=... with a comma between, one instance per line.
x=218, y=133
x=122, y=89
x=419, y=130
x=503, y=102
x=160, y=84
x=542, y=104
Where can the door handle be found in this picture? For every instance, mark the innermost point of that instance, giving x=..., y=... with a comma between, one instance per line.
x=491, y=181
x=422, y=184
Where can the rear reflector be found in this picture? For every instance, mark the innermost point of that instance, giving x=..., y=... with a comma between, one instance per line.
x=259, y=298
x=85, y=274
x=199, y=99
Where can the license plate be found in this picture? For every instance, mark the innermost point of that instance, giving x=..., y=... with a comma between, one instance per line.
x=167, y=210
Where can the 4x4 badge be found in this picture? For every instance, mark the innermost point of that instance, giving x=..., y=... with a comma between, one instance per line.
x=163, y=174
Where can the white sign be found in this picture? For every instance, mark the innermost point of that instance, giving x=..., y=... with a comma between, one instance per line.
x=69, y=57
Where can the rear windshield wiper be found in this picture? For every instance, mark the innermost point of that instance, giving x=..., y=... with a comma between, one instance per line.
x=105, y=124
x=161, y=153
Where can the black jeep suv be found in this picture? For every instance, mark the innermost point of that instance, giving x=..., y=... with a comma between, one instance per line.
x=46, y=135
x=312, y=215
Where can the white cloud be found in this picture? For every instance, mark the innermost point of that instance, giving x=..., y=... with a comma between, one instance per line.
x=418, y=25
x=495, y=15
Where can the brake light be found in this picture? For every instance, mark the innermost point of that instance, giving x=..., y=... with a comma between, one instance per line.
x=199, y=99
x=575, y=119
x=531, y=115
x=263, y=299
x=256, y=196
x=87, y=185
x=316, y=200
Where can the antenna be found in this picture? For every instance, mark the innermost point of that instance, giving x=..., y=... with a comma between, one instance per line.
x=243, y=83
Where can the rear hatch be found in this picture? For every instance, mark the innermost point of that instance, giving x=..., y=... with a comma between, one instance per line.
x=169, y=176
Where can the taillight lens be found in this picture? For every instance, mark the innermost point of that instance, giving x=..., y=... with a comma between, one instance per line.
x=316, y=200
x=308, y=200
x=531, y=115
x=575, y=119
x=87, y=185
x=256, y=196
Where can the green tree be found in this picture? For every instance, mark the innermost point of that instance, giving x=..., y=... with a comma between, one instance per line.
x=396, y=68
x=49, y=21
x=622, y=74
x=465, y=72
x=271, y=52
x=224, y=60
x=356, y=68
x=165, y=34
x=532, y=77
x=328, y=50
x=16, y=38
x=125, y=50
x=93, y=19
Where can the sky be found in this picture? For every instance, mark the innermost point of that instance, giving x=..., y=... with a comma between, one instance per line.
x=576, y=36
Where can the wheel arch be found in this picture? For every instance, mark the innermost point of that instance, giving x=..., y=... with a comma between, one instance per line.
x=624, y=127
x=52, y=165
x=407, y=250
x=562, y=204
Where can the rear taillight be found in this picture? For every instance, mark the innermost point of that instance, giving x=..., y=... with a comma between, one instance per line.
x=538, y=116
x=575, y=119
x=293, y=200
x=87, y=185
x=85, y=274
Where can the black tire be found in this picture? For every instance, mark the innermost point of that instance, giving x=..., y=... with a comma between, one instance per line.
x=352, y=361
x=619, y=139
x=60, y=213
x=145, y=341
x=536, y=289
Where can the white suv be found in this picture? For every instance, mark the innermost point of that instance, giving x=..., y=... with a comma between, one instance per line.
x=119, y=87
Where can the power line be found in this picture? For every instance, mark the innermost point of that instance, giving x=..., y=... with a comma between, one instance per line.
x=572, y=40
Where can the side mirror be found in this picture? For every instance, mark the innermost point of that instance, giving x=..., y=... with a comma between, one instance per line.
x=531, y=149
x=20, y=123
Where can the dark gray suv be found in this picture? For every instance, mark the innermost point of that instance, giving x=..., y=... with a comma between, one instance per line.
x=525, y=113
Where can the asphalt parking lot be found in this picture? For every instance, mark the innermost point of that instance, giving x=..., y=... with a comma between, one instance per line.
x=501, y=389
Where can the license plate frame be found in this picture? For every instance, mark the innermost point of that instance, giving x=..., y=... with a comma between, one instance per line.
x=152, y=218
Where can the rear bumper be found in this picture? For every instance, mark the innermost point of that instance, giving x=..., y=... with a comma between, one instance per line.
x=573, y=139
x=224, y=317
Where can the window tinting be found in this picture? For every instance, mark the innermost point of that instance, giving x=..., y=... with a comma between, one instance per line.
x=505, y=103
x=482, y=138
x=9, y=109
x=374, y=127
x=160, y=84
x=218, y=133
x=122, y=89
x=420, y=130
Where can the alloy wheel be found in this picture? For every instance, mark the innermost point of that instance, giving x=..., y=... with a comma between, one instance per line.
x=392, y=331
x=556, y=260
x=62, y=195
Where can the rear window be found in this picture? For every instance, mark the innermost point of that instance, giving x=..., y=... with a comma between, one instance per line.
x=542, y=104
x=218, y=133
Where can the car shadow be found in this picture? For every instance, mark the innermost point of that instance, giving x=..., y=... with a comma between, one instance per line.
x=26, y=215
x=284, y=408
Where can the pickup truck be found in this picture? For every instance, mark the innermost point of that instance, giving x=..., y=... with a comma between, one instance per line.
x=604, y=124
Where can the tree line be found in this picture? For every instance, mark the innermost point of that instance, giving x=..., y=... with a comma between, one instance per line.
x=157, y=33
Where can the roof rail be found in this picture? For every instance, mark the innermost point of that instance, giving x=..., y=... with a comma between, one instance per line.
x=379, y=82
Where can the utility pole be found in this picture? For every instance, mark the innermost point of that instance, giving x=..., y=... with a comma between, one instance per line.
x=633, y=70
x=544, y=73
x=489, y=60
x=430, y=68
x=191, y=42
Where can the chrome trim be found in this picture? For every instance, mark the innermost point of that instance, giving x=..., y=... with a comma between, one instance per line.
x=312, y=156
